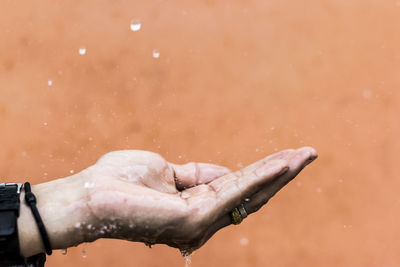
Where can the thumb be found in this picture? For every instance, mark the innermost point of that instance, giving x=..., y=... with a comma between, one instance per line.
x=193, y=173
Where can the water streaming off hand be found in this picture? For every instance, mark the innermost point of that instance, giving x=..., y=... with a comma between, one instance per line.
x=187, y=255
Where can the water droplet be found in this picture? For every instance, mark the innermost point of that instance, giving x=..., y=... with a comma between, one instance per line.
x=45, y=123
x=78, y=224
x=64, y=251
x=367, y=93
x=71, y=171
x=84, y=255
x=49, y=82
x=156, y=53
x=247, y=199
x=89, y=184
x=136, y=24
x=244, y=241
x=185, y=195
x=82, y=51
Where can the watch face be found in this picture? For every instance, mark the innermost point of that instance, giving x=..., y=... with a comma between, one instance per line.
x=11, y=185
x=9, y=212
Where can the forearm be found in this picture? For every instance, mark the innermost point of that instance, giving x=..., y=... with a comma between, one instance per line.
x=62, y=206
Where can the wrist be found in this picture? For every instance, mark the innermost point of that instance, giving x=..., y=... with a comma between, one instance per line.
x=62, y=204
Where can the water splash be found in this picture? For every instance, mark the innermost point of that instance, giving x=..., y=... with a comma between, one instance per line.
x=136, y=24
x=156, y=53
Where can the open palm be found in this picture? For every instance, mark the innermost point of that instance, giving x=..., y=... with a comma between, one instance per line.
x=137, y=195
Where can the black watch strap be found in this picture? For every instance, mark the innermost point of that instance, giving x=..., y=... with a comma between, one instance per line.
x=9, y=245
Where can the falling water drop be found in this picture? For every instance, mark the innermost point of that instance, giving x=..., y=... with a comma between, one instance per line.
x=244, y=241
x=136, y=24
x=156, y=53
x=84, y=255
x=82, y=51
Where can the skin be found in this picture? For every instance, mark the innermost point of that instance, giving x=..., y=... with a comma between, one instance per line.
x=139, y=196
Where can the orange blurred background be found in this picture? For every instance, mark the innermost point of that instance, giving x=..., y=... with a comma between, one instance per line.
x=234, y=81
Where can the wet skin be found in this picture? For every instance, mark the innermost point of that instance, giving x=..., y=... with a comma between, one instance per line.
x=139, y=196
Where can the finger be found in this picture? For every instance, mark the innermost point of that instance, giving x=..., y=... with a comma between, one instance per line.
x=298, y=160
x=193, y=173
x=232, y=188
x=279, y=155
x=229, y=193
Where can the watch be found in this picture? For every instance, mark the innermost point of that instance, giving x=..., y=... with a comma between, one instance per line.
x=9, y=243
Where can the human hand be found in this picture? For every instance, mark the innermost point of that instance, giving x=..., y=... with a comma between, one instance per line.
x=138, y=196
